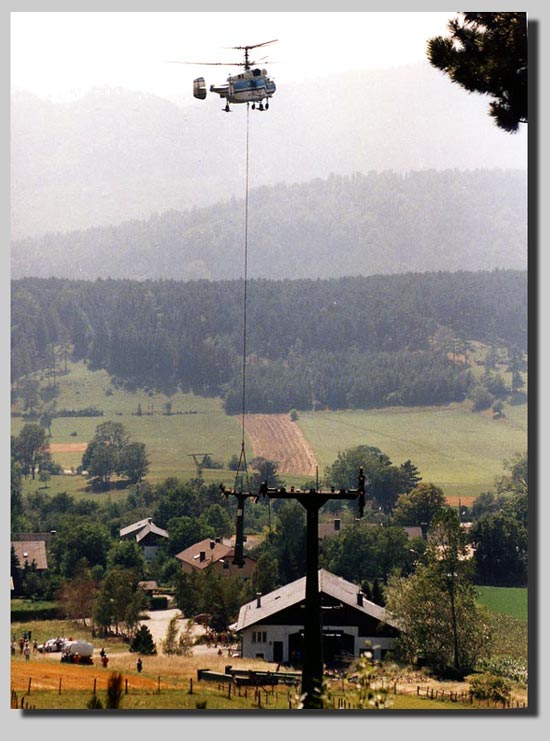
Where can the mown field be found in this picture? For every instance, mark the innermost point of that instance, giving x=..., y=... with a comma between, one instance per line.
x=454, y=448
x=460, y=451
x=510, y=601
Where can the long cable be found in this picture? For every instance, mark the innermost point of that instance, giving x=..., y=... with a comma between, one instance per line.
x=242, y=458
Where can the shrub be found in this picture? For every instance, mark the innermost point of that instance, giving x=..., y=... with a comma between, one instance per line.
x=94, y=703
x=143, y=643
x=512, y=668
x=114, y=690
x=293, y=415
x=490, y=687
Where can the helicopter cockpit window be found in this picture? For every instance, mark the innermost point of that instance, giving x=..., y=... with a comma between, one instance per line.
x=256, y=72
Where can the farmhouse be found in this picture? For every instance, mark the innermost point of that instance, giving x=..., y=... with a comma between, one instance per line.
x=214, y=554
x=271, y=626
x=146, y=534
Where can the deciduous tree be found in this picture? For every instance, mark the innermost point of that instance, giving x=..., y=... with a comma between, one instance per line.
x=436, y=605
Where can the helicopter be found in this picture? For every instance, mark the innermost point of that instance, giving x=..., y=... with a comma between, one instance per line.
x=253, y=85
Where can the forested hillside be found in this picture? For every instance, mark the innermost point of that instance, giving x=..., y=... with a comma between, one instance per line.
x=348, y=342
x=378, y=223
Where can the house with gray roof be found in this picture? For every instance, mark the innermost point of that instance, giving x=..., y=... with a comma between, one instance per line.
x=272, y=625
x=146, y=534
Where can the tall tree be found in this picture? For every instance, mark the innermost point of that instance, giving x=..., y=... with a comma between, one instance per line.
x=436, y=605
x=384, y=480
x=419, y=506
x=76, y=596
x=31, y=448
x=487, y=53
x=133, y=462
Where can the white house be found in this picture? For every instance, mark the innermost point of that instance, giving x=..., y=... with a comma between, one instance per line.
x=272, y=625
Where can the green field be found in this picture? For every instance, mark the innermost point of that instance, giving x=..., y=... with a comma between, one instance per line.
x=196, y=425
x=454, y=448
x=505, y=600
x=460, y=451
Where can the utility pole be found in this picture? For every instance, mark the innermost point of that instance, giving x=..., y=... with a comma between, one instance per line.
x=312, y=501
x=199, y=463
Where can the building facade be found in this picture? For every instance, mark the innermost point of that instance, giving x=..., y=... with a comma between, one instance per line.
x=272, y=625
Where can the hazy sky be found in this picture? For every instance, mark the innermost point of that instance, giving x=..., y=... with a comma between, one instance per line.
x=62, y=54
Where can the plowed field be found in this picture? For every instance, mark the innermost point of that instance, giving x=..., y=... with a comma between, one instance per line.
x=68, y=447
x=276, y=438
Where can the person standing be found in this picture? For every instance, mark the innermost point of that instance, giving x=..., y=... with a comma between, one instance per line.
x=139, y=664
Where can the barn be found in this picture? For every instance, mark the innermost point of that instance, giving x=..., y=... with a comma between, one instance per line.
x=271, y=626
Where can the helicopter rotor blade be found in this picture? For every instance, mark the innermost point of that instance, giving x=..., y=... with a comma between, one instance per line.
x=210, y=64
x=254, y=46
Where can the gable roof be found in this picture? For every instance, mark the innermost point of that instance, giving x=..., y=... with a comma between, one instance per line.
x=143, y=528
x=31, y=550
x=151, y=528
x=295, y=592
x=213, y=551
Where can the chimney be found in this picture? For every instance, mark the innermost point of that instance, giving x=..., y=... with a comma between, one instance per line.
x=212, y=544
x=336, y=524
x=218, y=540
x=360, y=599
x=258, y=599
x=202, y=556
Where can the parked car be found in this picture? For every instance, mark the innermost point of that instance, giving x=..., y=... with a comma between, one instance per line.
x=52, y=645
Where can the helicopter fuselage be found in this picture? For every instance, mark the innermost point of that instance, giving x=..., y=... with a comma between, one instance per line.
x=250, y=86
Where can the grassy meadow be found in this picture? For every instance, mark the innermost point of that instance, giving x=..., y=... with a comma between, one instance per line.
x=510, y=601
x=459, y=450
x=195, y=425
x=454, y=448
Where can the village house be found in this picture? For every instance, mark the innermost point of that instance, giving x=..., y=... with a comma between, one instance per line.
x=31, y=552
x=146, y=534
x=215, y=554
x=272, y=625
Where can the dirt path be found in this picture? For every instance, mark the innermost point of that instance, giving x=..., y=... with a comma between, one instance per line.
x=276, y=438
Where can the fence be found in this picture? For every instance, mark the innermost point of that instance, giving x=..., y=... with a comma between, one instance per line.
x=465, y=697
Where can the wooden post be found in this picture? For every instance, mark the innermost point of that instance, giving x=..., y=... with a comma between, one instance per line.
x=95, y=684
x=126, y=687
x=158, y=685
x=29, y=686
x=59, y=690
x=191, y=686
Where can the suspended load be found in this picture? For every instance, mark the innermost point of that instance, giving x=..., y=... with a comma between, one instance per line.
x=199, y=88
